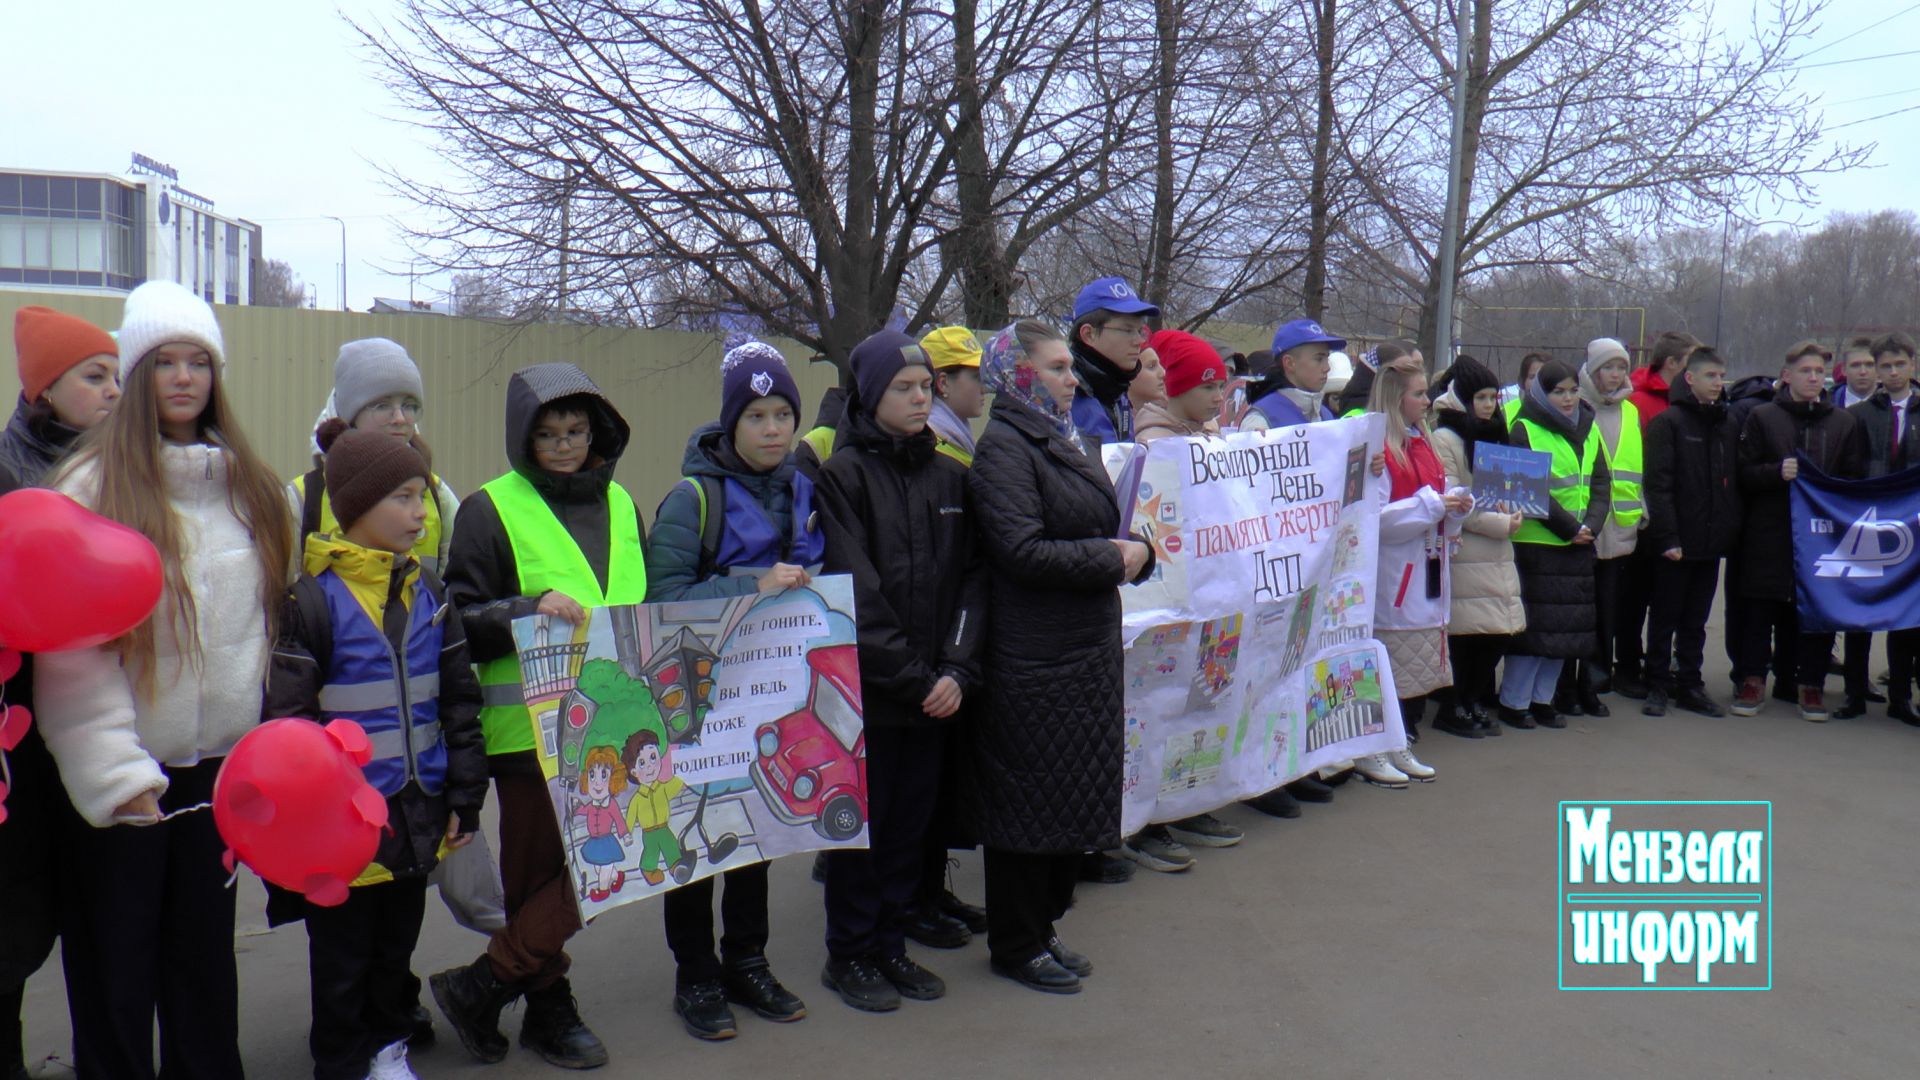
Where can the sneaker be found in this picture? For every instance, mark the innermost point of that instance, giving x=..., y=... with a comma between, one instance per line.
x=1375, y=769
x=702, y=1007
x=1100, y=868
x=391, y=1063
x=1155, y=848
x=750, y=981
x=1751, y=696
x=1307, y=789
x=931, y=927
x=1694, y=699
x=553, y=1029
x=1278, y=803
x=860, y=985
x=1206, y=831
x=1813, y=705
x=1412, y=766
x=912, y=980
x=1656, y=704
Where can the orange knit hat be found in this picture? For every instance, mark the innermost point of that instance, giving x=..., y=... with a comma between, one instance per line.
x=50, y=343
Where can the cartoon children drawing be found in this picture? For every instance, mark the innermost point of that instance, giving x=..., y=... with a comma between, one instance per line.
x=601, y=778
x=647, y=812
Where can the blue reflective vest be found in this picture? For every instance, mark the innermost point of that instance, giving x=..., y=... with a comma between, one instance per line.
x=371, y=686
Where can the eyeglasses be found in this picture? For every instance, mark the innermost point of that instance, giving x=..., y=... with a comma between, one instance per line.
x=570, y=439
x=406, y=407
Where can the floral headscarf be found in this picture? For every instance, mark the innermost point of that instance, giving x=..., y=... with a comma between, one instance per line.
x=1007, y=372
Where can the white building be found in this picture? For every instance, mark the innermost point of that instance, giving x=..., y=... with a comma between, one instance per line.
x=100, y=233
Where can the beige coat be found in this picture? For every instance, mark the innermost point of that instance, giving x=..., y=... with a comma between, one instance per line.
x=1486, y=586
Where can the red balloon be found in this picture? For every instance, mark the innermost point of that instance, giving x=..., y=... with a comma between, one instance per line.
x=292, y=803
x=69, y=578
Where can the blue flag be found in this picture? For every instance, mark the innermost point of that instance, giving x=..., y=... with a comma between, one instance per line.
x=1854, y=562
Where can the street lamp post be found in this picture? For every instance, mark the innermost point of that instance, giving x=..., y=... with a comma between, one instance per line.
x=343, y=259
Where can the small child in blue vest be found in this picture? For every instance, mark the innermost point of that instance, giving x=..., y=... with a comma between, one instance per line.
x=368, y=636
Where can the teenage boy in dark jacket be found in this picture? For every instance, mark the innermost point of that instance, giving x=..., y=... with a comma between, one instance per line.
x=1893, y=444
x=552, y=536
x=1693, y=520
x=366, y=620
x=1799, y=421
x=896, y=517
x=1109, y=329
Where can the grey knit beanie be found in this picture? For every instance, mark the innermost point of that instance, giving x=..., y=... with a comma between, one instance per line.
x=370, y=369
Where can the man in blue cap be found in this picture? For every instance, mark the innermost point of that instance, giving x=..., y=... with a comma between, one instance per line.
x=1297, y=378
x=1109, y=330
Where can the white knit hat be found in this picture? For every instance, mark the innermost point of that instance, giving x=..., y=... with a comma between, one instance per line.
x=161, y=313
x=1601, y=350
x=370, y=369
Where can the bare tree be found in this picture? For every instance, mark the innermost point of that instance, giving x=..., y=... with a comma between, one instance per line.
x=276, y=285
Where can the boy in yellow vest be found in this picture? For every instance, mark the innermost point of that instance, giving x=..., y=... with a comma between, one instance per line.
x=553, y=536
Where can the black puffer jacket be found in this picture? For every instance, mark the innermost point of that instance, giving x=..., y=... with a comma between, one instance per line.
x=1556, y=580
x=1875, y=416
x=1693, y=497
x=34, y=441
x=483, y=581
x=1830, y=438
x=1747, y=395
x=674, y=558
x=1047, y=751
x=895, y=516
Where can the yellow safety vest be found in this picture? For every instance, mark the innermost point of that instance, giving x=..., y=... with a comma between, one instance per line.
x=1626, y=462
x=1511, y=409
x=821, y=439
x=545, y=558
x=1570, y=482
x=426, y=550
x=955, y=451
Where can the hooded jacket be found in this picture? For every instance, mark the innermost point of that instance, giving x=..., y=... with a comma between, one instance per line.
x=391, y=587
x=675, y=569
x=1693, y=496
x=1830, y=438
x=1155, y=420
x=1615, y=539
x=1747, y=395
x=1556, y=581
x=483, y=580
x=1650, y=393
x=1101, y=407
x=896, y=517
x=35, y=440
x=110, y=745
x=1876, y=423
x=1486, y=585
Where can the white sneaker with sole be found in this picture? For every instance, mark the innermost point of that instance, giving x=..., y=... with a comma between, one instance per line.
x=1412, y=766
x=1376, y=769
x=391, y=1064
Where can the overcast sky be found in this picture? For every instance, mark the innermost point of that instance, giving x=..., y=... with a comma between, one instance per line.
x=270, y=110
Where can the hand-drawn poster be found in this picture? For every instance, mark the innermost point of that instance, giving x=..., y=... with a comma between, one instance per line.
x=680, y=740
x=1251, y=657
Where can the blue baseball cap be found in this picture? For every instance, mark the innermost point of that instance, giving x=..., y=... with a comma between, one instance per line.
x=1110, y=294
x=1303, y=332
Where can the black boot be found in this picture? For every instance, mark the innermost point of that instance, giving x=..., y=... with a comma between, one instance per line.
x=553, y=1029
x=1591, y=704
x=1276, y=803
x=1520, y=718
x=1902, y=710
x=1656, y=702
x=932, y=927
x=1547, y=716
x=972, y=916
x=1453, y=721
x=1853, y=708
x=1694, y=699
x=1308, y=789
x=471, y=999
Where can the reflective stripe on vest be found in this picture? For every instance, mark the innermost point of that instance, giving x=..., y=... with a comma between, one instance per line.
x=1625, y=463
x=546, y=558
x=1570, y=482
x=371, y=685
x=426, y=550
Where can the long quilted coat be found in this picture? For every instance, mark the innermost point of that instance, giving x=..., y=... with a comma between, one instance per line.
x=1047, y=749
x=1556, y=581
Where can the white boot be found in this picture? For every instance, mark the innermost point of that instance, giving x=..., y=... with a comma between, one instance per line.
x=391, y=1064
x=1376, y=769
x=1412, y=766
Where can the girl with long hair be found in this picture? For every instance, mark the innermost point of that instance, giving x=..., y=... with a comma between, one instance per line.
x=139, y=726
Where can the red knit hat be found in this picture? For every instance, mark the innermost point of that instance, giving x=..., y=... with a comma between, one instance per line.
x=1188, y=360
x=50, y=343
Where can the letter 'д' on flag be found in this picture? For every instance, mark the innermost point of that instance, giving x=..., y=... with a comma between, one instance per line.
x=1855, y=567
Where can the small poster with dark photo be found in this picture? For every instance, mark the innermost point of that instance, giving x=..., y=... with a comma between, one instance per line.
x=1356, y=475
x=1508, y=479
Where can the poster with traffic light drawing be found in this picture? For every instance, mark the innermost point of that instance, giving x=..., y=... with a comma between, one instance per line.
x=680, y=740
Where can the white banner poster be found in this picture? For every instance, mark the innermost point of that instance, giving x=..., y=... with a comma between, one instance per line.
x=1251, y=659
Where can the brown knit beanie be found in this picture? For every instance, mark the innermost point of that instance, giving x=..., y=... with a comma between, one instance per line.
x=364, y=467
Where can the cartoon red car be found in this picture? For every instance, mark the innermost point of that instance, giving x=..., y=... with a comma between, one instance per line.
x=811, y=765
